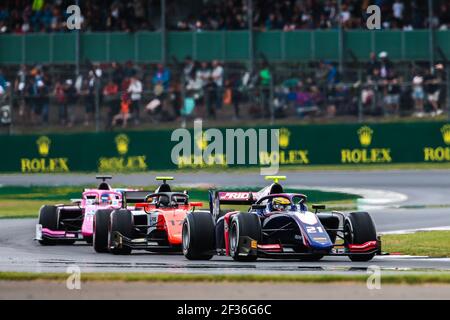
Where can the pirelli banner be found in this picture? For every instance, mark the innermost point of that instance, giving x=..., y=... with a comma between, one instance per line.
x=305, y=145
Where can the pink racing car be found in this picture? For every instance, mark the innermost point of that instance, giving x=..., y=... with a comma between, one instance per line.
x=66, y=224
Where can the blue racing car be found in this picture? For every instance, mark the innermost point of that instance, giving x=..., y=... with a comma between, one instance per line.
x=277, y=225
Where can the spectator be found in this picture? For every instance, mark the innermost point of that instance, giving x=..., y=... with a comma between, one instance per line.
x=124, y=115
x=203, y=83
x=332, y=75
x=442, y=79
x=433, y=91
x=135, y=90
x=304, y=98
x=444, y=16
x=265, y=79
x=236, y=94
x=386, y=66
x=418, y=96
x=217, y=76
x=30, y=101
x=61, y=100
x=161, y=82
x=90, y=94
x=2, y=80
x=43, y=102
x=162, y=77
x=392, y=95
x=189, y=70
x=372, y=64
x=288, y=15
x=118, y=74
x=398, y=9
x=71, y=99
x=110, y=92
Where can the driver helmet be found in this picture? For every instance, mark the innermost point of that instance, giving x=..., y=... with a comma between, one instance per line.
x=280, y=204
x=105, y=199
x=164, y=201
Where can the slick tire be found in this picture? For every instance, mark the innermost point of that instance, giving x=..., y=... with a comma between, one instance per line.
x=199, y=236
x=122, y=222
x=359, y=228
x=245, y=225
x=100, y=236
x=48, y=218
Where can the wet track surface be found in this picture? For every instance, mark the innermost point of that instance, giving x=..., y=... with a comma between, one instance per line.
x=18, y=251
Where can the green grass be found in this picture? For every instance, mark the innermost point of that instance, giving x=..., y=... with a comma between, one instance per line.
x=432, y=243
x=341, y=167
x=24, y=202
x=19, y=209
x=401, y=278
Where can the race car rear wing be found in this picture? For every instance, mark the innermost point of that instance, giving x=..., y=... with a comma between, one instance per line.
x=132, y=197
x=236, y=197
x=217, y=198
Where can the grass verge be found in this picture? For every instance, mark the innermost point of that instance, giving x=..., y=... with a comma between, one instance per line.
x=431, y=243
x=19, y=209
x=341, y=167
x=24, y=202
x=405, y=279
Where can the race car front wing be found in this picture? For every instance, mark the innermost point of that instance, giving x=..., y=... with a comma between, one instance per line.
x=120, y=241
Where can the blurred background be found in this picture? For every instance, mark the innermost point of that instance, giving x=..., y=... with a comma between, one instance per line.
x=160, y=63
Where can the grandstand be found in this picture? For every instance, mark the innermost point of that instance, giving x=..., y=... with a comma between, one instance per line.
x=146, y=63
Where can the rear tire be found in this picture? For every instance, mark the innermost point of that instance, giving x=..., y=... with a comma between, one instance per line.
x=359, y=228
x=244, y=225
x=48, y=218
x=122, y=222
x=198, y=236
x=100, y=236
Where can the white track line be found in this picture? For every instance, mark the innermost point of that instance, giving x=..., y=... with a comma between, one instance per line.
x=409, y=231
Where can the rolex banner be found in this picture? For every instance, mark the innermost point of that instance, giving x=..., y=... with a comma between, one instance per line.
x=304, y=145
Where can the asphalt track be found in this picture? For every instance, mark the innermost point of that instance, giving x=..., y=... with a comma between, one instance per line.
x=422, y=191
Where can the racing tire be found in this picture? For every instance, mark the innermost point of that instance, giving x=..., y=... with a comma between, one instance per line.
x=243, y=225
x=359, y=228
x=100, y=234
x=121, y=221
x=48, y=218
x=198, y=236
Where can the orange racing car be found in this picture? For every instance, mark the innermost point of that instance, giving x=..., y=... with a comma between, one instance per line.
x=146, y=221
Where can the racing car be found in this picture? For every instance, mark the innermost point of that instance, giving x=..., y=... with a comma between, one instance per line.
x=146, y=221
x=277, y=225
x=66, y=224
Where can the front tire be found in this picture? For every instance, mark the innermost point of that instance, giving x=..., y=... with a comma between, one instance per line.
x=48, y=218
x=100, y=236
x=246, y=226
x=198, y=236
x=121, y=222
x=359, y=228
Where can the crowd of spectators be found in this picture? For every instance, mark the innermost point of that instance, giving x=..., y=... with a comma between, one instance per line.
x=129, y=94
x=25, y=16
